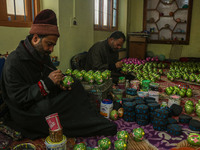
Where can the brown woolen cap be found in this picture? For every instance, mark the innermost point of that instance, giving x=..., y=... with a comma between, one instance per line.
x=45, y=23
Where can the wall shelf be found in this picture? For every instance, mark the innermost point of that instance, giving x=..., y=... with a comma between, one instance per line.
x=170, y=19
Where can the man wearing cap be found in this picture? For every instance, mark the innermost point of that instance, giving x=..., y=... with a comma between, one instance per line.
x=32, y=90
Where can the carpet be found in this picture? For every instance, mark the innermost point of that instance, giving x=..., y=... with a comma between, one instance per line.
x=160, y=140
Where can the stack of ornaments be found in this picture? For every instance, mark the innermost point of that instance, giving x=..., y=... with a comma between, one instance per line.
x=56, y=139
x=160, y=120
x=129, y=110
x=152, y=108
x=142, y=114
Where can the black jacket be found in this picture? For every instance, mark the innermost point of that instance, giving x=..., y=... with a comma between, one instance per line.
x=28, y=108
x=101, y=57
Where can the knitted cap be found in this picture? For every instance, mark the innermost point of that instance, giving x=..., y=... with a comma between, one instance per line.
x=45, y=23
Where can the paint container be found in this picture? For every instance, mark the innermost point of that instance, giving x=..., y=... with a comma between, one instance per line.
x=135, y=84
x=56, y=145
x=56, y=136
x=155, y=95
x=106, y=107
x=25, y=146
x=154, y=86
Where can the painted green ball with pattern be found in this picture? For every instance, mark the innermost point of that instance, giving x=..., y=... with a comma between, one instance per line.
x=104, y=143
x=97, y=72
x=108, y=73
x=120, y=145
x=80, y=146
x=79, y=76
x=67, y=81
x=194, y=139
x=105, y=76
x=96, y=148
x=85, y=76
x=189, y=109
x=98, y=79
x=197, y=105
x=138, y=134
x=123, y=135
x=91, y=72
x=83, y=72
x=74, y=72
x=90, y=79
x=68, y=72
x=114, y=115
x=189, y=102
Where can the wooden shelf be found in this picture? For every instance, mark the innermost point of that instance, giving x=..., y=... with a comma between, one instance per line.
x=167, y=13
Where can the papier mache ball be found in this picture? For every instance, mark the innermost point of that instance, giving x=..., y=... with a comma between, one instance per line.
x=83, y=72
x=98, y=79
x=91, y=72
x=68, y=81
x=79, y=76
x=74, y=72
x=194, y=139
x=108, y=72
x=96, y=148
x=68, y=72
x=105, y=76
x=80, y=146
x=122, y=135
x=114, y=115
x=138, y=134
x=104, y=143
x=120, y=145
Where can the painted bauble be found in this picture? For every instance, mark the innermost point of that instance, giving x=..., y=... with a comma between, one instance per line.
x=189, y=109
x=74, y=72
x=194, y=139
x=98, y=79
x=68, y=72
x=67, y=81
x=105, y=76
x=114, y=114
x=85, y=76
x=97, y=72
x=108, y=73
x=120, y=112
x=83, y=72
x=197, y=105
x=79, y=76
x=104, y=143
x=90, y=79
x=120, y=145
x=96, y=148
x=189, y=102
x=91, y=72
x=80, y=146
x=122, y=135
x=138, y=134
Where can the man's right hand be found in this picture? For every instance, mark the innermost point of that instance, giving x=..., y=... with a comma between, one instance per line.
x=56, y=76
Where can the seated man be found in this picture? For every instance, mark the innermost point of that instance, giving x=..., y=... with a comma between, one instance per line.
x=104, y=55
x=32, y=89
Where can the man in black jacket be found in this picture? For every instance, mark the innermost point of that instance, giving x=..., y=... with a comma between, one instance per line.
x=32, y=89
x=104, y=55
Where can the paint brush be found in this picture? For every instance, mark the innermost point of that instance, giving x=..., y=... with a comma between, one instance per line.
x=52, y=69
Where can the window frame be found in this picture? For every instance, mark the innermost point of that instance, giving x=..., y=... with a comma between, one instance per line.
x=110, y=9
x=19, y=22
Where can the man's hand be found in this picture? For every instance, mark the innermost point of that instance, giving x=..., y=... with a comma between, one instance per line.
x=56, y=76
x=118, y=64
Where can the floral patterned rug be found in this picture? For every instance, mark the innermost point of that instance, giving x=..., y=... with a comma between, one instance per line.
x=159, y=139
